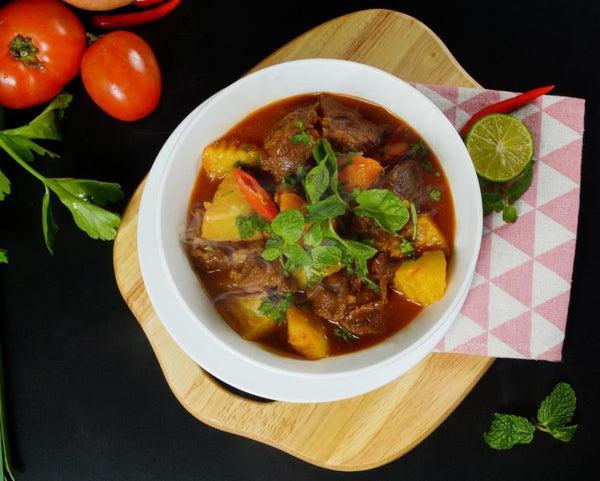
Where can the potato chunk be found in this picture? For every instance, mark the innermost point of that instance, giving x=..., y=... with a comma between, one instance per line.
x=242, y=314
x=220, y=218
x=306, y=333
x=220, y=157
x=423, y=280
x=429, y=235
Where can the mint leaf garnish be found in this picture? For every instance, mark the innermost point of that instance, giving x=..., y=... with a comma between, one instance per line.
x=508, y=430
x=384, y=207
x=503, y=196
x=553, y=416
x=556, y=411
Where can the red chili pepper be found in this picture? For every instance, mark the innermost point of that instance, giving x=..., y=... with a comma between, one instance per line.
x=506, y=106
x=127, y=20
x=258, y=198
x=146, y=3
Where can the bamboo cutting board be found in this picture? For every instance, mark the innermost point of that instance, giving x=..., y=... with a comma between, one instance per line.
x=369, y=430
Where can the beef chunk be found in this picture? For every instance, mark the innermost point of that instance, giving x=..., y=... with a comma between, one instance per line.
x=237, y=266
x=346, y=129
x=349, y=302
x=383, y=240
x=284, y=158
x=329, y=300
x=365, y=320
x=404, y=179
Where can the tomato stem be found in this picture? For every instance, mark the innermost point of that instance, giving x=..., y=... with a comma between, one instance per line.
x=23, y=49
x=91, y=38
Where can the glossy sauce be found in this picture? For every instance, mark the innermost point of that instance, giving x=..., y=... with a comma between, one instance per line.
x=399, y=310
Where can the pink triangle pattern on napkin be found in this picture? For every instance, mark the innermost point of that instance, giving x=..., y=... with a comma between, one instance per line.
x=518, y=303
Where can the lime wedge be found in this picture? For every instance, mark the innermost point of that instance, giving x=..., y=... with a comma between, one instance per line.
x=500, y=146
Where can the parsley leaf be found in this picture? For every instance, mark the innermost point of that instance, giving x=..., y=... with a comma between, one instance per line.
x=553, y=416
x=84, y=198
x=435, y=195
x=4, y=186
x=344, y=333
x=275, y=306
x=249, y=225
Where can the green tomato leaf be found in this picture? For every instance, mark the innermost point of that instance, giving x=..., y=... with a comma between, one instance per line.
x=507, y=430
x=557, y=409
x=3, y=256
x=384, y=207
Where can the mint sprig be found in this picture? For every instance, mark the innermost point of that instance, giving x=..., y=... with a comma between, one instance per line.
x=553, y=416
x=503, y=196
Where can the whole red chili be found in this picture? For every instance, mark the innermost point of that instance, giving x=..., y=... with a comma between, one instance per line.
x=506, y=106
x=133, y=19
x=146, y=3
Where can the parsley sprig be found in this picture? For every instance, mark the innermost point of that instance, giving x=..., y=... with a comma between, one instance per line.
x=553, y=416
x=84, y=198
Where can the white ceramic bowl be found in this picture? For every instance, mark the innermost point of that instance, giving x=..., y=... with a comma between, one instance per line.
x=187, y=313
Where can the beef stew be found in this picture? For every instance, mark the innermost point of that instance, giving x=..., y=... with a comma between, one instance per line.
x=320, y=225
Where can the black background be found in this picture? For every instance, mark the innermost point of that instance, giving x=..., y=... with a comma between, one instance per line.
x=86, y=399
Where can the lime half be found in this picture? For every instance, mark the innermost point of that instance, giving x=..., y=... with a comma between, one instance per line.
x=500, y=146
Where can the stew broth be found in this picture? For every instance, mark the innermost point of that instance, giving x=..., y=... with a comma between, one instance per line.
x=393, y=144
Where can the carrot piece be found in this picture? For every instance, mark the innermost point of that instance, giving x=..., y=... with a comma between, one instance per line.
x=360, y=172
x=290, y=200
x=394, y=150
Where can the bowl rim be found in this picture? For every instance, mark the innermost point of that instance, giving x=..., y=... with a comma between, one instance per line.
x=208, y=350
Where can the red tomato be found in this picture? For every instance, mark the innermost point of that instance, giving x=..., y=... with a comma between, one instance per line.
x=42, y=42
x=121, y=74
x=258, y=198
